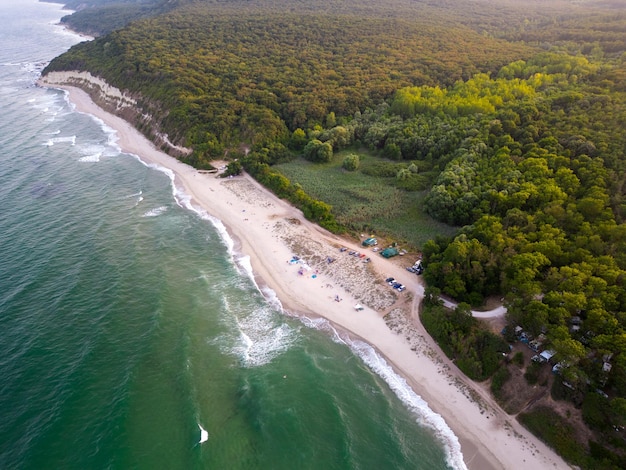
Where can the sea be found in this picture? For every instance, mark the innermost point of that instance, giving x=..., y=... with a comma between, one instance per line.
x=133, y=335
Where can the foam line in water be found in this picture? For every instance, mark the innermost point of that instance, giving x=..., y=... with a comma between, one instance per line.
x=157, y=211
x=243, y=265
x=259, y=335
x=271, y=298
x=263, y=340
x=137, y=194
x=425, y=415
x=95, y=158
x=184, y=201
x=58, y=140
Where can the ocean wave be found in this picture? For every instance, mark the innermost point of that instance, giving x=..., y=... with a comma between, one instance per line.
x=260, y=341
x=137, y=194
x=157, y=211
x=244, y=266
x=58, y=140
x=416, y=404
x=91, y=158
x=271, y=298
x=255, y=335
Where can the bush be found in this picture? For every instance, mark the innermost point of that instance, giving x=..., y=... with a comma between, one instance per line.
x=234, y=168
x=351, y=162
x=318, y=151
x=403, y=174
x=595, y=409
x=498, y=380
x=532, y=373
x=477, y=352
x=551, y=428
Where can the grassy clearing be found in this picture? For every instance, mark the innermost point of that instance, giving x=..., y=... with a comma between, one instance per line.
x=366, y=203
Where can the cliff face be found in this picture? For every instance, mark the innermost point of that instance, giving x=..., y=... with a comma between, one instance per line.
x=117, y=102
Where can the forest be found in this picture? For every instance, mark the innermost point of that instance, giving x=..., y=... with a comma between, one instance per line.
x=496, y=124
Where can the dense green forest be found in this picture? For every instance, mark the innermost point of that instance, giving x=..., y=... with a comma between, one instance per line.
x=99, y=17
x=254, y=75
x=496, y=125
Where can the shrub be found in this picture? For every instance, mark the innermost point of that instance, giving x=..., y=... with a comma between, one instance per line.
x=234, y=168
x=532, y=373
x=351, y=162
x=551, y=428
x=498, y=380
x=403, y=174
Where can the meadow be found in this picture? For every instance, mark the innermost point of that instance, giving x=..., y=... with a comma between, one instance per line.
x=366, y=203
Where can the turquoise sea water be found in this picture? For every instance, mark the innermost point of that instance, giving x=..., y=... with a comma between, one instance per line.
x=127, y=321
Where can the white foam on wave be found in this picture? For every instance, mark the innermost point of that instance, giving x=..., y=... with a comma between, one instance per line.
x=112, y=137
x=425, y=415
x=258, y=338
x=271, y=298
x=260, y=341
x=244, y=267
x=138, y=197
x=92, y=152
x=62, y=30
x=137, y=194
x=95, y=158
x=59, y=140
x=46, y=104
x=157, y=211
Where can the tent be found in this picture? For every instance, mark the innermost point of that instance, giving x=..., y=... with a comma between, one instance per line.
x=389, y=252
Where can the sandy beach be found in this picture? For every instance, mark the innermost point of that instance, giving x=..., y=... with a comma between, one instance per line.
x=326, y=282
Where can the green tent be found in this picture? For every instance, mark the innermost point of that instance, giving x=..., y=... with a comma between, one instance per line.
x=389, y=252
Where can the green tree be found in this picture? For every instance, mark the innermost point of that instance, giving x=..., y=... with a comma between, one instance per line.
x=351, y=162
x=233, y=168
x=298, y=139
x=324, y=153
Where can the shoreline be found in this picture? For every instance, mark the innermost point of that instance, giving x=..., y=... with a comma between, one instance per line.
x=270, y=231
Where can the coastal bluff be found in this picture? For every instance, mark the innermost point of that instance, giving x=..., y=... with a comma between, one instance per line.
x=117, y=102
